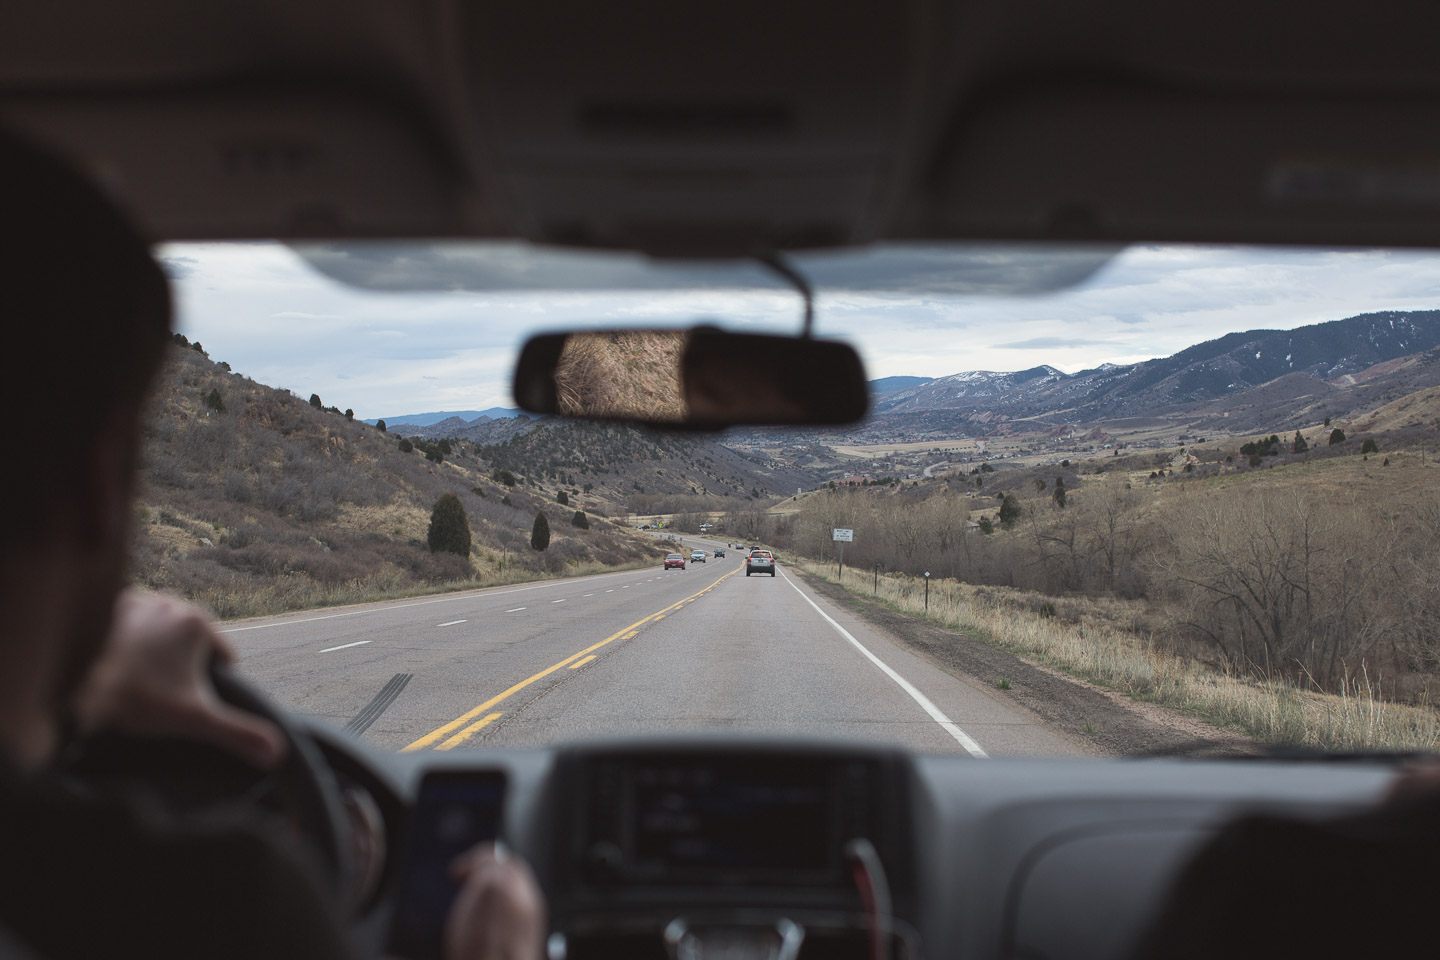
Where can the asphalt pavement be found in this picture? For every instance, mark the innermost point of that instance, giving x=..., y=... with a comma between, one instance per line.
x=638, y=652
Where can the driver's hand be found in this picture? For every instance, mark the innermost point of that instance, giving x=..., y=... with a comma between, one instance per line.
x=152, y=679
x=499, y=913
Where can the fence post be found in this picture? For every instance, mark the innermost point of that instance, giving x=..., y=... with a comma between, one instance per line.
x=875, y=589
x=927, y=591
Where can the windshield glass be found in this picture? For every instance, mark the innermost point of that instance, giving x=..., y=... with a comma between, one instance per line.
x=1184, y=504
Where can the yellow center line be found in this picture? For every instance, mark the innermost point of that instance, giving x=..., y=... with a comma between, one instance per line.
x=580, y=663
x=468, y=732
x=471, y=714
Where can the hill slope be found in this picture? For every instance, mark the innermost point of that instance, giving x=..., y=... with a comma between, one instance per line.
x=258, y=502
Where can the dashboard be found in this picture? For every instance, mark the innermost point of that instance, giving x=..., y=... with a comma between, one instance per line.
x=692, y=848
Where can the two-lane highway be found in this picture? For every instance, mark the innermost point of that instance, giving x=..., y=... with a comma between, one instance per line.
x=653, y=651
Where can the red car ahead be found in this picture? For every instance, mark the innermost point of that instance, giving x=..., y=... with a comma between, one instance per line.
x=674, y=560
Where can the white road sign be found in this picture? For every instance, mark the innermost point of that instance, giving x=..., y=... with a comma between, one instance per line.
x=843, y=535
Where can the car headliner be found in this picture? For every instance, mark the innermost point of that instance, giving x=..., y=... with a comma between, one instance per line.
x=683, y=129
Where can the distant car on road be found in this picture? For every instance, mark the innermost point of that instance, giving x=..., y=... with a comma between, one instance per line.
x=697, y=556
x=760, y=561
x=674, y=560
x=719, y=552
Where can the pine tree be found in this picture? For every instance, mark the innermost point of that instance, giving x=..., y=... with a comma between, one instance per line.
x=1299, y=446
x=562, y=498
x=1009, y=510
x=580, y=520
x=1369, y=446
x=1337, y=436
x=540, y=533
x=380, y=425
x=315, y=401
x=449, y=528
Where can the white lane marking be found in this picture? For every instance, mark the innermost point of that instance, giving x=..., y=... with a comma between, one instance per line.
x=472, y=595
x=516, y=610
x=561, y=600
x=344, y=645
x=589, y=594
x=609, y=591
x=960, y=736
x=451, y=623
x=626, y=587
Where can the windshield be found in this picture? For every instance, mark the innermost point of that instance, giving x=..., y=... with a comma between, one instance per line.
x=1169, y=499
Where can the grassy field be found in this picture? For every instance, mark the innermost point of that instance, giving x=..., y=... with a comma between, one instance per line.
x=1277, y=713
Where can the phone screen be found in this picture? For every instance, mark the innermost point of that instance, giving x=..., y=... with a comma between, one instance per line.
x=455, y=811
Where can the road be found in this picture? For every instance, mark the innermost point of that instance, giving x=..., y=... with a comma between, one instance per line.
x=652, y=651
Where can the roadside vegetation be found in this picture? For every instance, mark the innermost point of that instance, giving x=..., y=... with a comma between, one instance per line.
x=1297, y=600
x=1081, y=639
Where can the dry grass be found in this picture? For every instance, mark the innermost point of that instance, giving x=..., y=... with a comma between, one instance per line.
x=1360, y=718
x=625, y=374
x=297, y=592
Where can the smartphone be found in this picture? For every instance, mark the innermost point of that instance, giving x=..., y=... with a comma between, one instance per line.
x=454, y=811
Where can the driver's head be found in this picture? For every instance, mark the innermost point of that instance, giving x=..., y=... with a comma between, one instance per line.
x=86, y=314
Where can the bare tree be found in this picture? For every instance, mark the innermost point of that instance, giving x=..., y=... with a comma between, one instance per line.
x=1280, y=585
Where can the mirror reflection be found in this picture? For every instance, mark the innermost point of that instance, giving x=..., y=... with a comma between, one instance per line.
x=703, y=378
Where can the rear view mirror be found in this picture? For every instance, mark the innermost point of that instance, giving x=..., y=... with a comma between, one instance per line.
x=703, y=378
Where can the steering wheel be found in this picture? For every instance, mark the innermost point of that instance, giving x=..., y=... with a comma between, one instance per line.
x=189, y=778
x=304, y=781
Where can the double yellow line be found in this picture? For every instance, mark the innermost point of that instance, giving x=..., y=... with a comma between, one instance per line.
x=453, y=739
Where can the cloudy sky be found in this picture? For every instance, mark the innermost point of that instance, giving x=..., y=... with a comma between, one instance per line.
x=438, y=328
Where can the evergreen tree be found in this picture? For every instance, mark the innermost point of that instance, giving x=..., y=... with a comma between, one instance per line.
x=405, y=445
x=449, y=528
x=562, y=498
x=380, y=425
x=315, y=401
x=540, y=533
x=1299, y=446
x=1059, y=495
x=214, y=401
x=349, y=414
x=1369, y=446
x=580, y=520
x=1009, y=510
x=1337, y=436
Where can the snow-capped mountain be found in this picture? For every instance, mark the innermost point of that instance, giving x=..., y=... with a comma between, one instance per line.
x=1199, y=375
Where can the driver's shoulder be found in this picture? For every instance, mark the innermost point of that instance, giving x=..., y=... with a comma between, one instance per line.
x=86, y=874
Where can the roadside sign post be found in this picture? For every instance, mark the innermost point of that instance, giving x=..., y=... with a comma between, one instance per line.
x=842, y=536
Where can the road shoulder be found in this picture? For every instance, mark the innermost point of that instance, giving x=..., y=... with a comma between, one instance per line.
x=1104, y=721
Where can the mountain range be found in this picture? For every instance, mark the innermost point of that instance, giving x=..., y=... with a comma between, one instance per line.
x=1250, y=379
x=427, y=419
